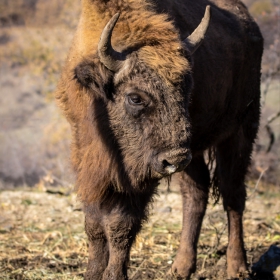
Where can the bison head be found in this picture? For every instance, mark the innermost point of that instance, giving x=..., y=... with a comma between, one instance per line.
x=143, y=113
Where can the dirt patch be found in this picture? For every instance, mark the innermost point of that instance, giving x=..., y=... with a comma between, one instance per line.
x=42, y=236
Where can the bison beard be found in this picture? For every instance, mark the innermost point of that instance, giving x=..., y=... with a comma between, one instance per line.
x=143, y=98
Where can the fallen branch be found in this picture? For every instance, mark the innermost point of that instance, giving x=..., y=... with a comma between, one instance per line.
x=270, y=131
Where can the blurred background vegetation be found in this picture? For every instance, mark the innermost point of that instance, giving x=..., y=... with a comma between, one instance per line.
x=34, y=138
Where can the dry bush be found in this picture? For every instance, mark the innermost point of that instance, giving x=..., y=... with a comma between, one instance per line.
x=38, y=12
x=34, y=138
x=261, y=7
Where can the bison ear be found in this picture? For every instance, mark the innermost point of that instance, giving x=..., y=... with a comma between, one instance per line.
x=96, y=78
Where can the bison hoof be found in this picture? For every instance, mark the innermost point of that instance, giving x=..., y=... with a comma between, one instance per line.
x=236, y=263
x=90, y=275
x=182, y=270
x=112, y=274
x=236, y=269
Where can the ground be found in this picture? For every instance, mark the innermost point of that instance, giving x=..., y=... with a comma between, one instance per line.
x=42, y=235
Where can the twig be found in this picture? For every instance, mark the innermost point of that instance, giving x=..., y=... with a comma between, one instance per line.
x=270, y=131
x=257, y=184
x=218, y=234
x=138, y=268
x=273, y=117
x=271, y=137
x=266, y=88
x=62, y=182
x=203, y=264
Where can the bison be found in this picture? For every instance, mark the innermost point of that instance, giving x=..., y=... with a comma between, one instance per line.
x=148, y=88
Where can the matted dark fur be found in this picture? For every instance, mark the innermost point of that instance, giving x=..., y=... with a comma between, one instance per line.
x=161, y=103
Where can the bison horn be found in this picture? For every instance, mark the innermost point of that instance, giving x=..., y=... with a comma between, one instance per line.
x=195, y=39
x=112, y=59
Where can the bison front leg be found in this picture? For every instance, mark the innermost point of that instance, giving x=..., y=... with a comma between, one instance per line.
x=121, y=230
x=111, y=229
x=122, y=219
x=98, y=245
x=194, y=185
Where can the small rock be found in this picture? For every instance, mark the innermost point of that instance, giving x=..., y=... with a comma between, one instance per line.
x=221, y=263
x=167, y=209
x=6, y=224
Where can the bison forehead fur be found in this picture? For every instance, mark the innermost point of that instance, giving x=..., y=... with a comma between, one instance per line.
x=144, y=131
x=147, y=87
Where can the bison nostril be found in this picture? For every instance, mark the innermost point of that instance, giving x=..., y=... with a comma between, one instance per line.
x=168, y=167
x=167, y=163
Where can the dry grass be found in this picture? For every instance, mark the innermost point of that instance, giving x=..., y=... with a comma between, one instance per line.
x=42, y=235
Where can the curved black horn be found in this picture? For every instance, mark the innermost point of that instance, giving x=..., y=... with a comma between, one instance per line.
x=112, y=59
x=195, y=39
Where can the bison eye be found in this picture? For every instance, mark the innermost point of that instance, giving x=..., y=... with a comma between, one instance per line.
x=135, y=99
x=137, y=102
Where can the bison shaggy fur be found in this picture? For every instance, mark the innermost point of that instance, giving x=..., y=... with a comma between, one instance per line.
x=146, y=97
